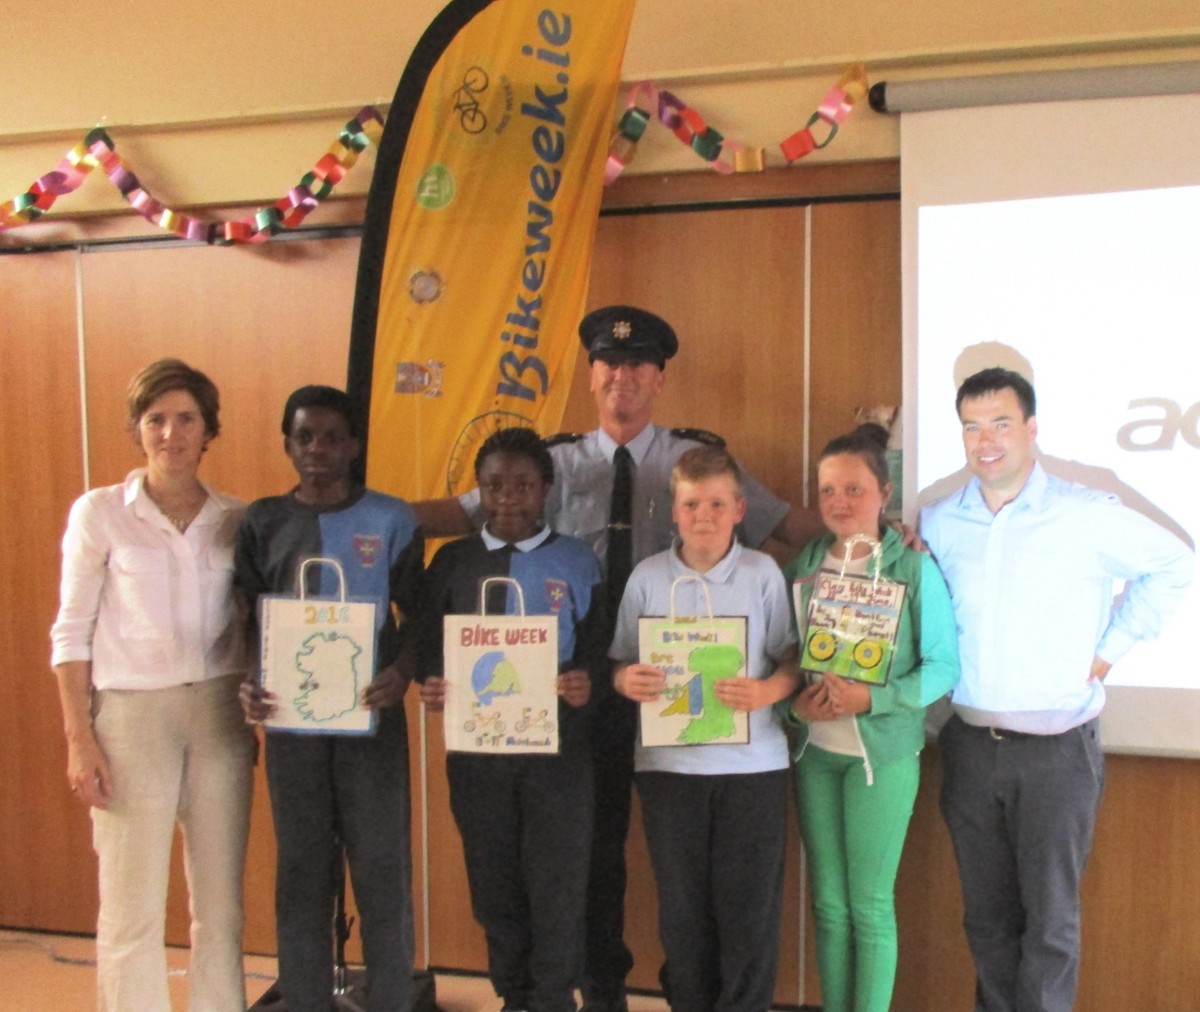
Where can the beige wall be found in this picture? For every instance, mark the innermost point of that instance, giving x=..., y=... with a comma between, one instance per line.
x=225, y=102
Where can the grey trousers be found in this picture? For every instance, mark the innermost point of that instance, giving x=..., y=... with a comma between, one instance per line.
x=1021, y=810
x=353, y=788
x=526, y=823
x=717, y=846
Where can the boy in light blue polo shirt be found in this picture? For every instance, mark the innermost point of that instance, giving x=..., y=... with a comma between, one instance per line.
x=715, y=815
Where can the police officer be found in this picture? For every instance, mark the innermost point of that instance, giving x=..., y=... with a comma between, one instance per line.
x=612, y=490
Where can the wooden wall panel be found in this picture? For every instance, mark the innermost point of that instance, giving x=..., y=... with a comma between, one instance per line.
x=1140, y=929
x=855, y=315
x=455, y=940
x=46, y=877
x=1140, y=932
x=934, y=970
x=259, y=320
x=731, y=283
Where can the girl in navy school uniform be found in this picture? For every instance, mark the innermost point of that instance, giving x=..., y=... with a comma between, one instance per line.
x=525, y=819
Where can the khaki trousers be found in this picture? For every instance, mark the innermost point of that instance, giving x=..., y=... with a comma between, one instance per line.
x=182, y=754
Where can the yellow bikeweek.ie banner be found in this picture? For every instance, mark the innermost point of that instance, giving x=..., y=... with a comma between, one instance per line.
x=483, y=266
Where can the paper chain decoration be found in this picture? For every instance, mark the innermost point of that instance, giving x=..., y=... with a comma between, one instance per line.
x=98, y=150
x=690, y=127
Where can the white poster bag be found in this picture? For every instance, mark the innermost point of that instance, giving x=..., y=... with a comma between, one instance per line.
x=501, y=676
x=318, y=654
x=694, y=652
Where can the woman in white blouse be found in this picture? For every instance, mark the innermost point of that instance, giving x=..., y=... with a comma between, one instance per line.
x=148, y=653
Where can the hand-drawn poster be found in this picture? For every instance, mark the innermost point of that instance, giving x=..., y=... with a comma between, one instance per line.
x=851, y=625
x=317, y=657
x=693, y=653
x=501, y=676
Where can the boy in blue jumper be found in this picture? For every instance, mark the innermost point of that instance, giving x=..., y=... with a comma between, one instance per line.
x=715, y=814
x=525, y=820
x=323, y=786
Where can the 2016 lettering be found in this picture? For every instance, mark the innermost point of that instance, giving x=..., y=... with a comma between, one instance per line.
x=326, y=614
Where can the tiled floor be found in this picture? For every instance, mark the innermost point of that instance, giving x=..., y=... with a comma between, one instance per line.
x=56, y=973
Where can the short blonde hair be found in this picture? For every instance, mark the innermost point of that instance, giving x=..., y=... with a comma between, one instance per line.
x=707, y=461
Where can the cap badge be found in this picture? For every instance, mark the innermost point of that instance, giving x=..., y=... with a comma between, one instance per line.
x=622, y=330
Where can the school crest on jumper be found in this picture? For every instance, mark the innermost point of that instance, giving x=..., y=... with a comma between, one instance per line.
x=556, y=594
x=368, y=548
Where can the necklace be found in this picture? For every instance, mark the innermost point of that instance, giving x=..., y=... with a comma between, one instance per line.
x=181, y=519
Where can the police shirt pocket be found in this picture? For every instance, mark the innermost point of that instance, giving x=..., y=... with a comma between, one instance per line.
x=141, y=586
x=583, y=517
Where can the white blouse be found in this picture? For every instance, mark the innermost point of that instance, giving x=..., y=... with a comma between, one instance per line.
x=149, y=607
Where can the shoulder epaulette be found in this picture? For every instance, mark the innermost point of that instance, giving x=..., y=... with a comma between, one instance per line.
x=699, y=436
x=561, y=438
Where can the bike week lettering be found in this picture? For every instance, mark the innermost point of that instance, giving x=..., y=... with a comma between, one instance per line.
x=514, y=636
x=882, y=595
x=673, y=636
x=525, y=375
x=485, y=636
x=479, y=636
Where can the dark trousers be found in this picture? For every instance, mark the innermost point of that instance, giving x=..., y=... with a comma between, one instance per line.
x=717, y=848
x=608, y=960
x=1021, y=810
x=323, y=786
x=526, y=824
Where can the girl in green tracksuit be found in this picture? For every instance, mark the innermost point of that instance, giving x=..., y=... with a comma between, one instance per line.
x=857, y=745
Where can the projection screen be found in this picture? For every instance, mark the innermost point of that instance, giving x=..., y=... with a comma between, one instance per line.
x=1063, y=239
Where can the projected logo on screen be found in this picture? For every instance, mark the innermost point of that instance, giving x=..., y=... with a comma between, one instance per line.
x=1159, y=430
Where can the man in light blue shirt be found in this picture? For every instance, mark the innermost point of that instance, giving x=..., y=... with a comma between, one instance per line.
x=1030, y=561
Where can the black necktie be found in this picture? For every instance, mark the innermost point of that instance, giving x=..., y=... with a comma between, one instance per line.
x=620, y=526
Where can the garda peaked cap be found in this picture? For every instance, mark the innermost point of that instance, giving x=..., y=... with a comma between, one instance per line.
x=626, y=333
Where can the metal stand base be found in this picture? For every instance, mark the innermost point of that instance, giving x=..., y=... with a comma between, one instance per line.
x=351, y=997
x=350, y=985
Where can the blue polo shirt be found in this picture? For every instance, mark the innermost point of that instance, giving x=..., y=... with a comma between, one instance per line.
x=745, y=582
